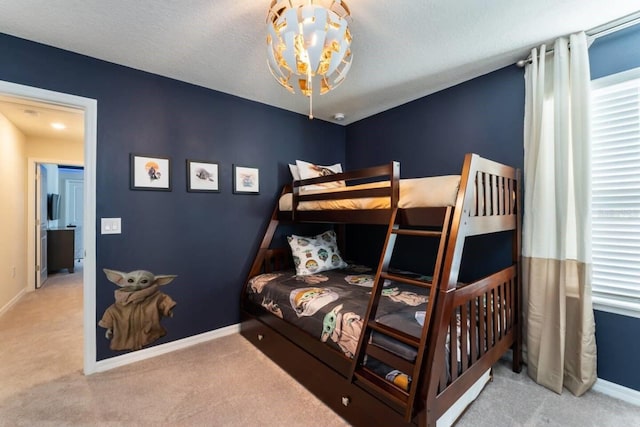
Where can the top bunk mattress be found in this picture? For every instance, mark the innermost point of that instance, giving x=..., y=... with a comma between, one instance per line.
x=427, y=192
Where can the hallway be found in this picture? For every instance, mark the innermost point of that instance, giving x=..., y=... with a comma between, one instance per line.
x=41, y=335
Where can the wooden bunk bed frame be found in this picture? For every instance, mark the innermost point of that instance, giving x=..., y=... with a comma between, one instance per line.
x=487, y=312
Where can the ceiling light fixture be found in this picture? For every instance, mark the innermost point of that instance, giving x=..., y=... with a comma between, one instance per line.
x=58, y=126
x=309, y=41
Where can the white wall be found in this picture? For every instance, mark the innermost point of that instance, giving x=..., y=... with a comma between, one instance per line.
x=13, y=223
x=63, y=152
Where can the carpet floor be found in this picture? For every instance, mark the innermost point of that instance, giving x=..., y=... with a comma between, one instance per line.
x=225, y=382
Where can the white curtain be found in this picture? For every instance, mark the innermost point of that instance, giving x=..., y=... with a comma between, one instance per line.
x=556, y=244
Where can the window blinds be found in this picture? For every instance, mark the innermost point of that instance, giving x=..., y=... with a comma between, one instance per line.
x=616, y=193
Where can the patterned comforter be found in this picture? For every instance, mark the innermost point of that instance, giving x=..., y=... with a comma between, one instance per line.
x=332, y=305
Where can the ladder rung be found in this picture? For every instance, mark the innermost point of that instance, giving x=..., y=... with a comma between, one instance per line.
x=407, y=280
x=394, y=333
x=419, y=233
x=386, y=389
x=390, y=359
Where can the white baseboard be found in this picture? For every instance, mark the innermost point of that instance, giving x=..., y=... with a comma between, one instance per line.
x=147, y=353
x=617, y=391
x=13, y=302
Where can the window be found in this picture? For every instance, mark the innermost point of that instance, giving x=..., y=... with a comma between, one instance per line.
x=616, y=192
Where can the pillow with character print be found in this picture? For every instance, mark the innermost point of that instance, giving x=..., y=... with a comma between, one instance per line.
x=314, y=254
x=306, y=170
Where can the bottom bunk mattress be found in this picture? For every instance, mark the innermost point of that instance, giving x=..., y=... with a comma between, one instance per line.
x=332, y=305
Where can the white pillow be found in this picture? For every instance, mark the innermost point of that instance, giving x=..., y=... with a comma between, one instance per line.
x=314, y=254
x=309, y=170
x=294, y=172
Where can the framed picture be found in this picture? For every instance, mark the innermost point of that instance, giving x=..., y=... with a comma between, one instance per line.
x=202, y=176
x=150, y=173
x=246, y=180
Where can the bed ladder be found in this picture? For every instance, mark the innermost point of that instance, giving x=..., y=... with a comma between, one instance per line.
x=402, y=399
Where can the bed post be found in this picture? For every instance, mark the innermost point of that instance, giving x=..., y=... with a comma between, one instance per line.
x=446, y=287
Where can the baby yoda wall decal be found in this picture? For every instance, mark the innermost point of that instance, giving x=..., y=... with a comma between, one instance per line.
x=133, y=321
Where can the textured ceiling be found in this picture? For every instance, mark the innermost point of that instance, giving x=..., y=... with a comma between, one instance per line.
x=402, y=49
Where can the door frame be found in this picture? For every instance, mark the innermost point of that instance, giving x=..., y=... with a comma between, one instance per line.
x=90, y=108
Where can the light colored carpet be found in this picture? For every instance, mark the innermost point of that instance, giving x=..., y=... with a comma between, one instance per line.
x=226, y=382
x=41, y=336
x=527, y=404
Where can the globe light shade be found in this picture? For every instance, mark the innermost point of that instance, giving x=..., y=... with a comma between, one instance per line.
x=309, y=44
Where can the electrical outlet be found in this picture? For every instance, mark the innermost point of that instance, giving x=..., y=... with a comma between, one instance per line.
x=13, y=272
x=110, y=226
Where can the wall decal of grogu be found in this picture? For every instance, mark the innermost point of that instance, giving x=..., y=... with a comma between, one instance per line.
x=133, y=320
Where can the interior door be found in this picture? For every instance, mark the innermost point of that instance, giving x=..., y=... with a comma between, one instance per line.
x=74, y=191
x=41, y=225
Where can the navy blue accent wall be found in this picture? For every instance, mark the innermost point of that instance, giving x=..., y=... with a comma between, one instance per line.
x=618, y=347
x=208, y=240
x=483, y=115
x=616, y=334
x=430, y=136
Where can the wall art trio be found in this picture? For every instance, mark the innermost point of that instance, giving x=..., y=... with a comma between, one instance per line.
x=154, y=173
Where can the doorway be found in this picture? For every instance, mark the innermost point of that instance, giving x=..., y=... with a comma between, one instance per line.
x=59, y=220
x=89, y=107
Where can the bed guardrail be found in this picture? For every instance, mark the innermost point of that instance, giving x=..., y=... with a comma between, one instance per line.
x=389, y=172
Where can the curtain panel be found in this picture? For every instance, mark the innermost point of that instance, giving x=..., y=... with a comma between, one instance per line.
x=556, y=242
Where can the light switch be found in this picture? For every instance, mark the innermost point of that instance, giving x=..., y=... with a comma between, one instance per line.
x=110, y=226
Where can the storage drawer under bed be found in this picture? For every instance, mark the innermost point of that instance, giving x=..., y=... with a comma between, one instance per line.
x=345, y=398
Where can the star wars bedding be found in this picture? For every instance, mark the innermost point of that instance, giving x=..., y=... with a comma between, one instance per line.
x=332, y=305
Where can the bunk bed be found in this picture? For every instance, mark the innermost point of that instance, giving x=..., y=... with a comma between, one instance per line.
x=350, y=347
